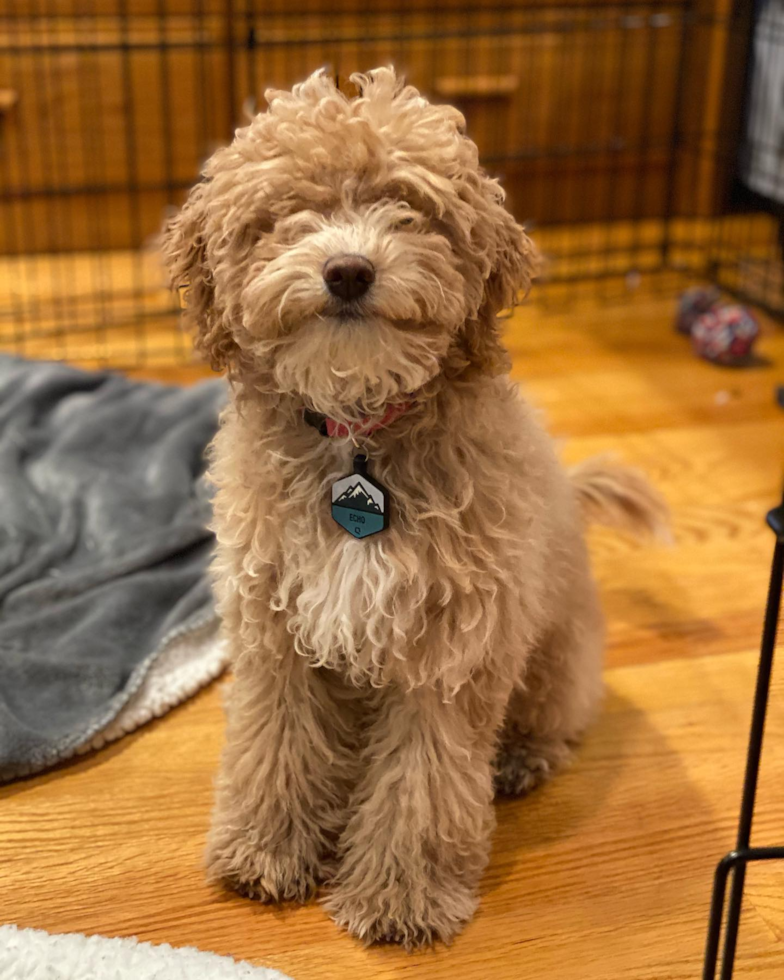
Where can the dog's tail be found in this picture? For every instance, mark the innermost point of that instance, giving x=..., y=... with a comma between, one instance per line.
x=620, y=496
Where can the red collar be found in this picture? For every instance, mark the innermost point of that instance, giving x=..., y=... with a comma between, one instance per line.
x=329, y=427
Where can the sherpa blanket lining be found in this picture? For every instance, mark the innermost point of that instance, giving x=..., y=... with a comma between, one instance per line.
x=106, y=613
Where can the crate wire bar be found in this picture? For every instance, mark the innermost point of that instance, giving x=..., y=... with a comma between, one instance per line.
x=744, y=854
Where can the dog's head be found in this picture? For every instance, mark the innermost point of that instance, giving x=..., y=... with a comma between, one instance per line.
x=346, y=251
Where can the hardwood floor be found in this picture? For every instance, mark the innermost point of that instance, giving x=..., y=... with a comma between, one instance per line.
x=605, y=874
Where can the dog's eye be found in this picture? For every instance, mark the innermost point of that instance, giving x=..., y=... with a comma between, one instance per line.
x=256, y=227
x=405, y=221
x=263, y=225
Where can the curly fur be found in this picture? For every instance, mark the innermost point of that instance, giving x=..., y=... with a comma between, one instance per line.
x=384, y=688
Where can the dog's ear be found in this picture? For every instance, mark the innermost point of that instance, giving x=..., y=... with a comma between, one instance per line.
x=512, y=264
x=184, y=250
x=514, y=267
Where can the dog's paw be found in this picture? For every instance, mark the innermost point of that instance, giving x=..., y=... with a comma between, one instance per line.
x=522, y=764
x=394, y=913
x=265, y=875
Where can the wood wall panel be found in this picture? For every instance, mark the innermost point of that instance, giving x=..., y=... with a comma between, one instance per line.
x=584, y=133
x=103, y=136
x=582, y=128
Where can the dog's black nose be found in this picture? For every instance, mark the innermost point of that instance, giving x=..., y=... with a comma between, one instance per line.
x=348, y=276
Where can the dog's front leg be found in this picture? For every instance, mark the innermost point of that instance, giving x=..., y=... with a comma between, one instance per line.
x=285, y=777
x=419, y=837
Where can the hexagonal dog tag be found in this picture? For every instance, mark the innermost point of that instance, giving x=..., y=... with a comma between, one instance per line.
x=360, y=504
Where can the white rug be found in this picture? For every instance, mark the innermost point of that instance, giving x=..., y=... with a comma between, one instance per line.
x=29, y=954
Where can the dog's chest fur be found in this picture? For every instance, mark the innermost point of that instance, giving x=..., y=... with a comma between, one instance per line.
x=350, y=603
x=377, y=609
x=419, y=602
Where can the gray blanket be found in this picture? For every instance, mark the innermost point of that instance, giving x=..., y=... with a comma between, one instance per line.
x=103, y=546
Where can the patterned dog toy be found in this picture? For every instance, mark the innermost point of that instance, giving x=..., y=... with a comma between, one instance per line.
x=725, y=334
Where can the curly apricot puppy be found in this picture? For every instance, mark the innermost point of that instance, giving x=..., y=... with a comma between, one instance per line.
x=348, y=257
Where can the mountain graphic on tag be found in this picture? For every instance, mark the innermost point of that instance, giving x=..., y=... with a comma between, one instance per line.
x=358, y=497
x=360, y=505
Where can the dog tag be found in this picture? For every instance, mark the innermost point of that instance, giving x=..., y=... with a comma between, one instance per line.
x=360, y=504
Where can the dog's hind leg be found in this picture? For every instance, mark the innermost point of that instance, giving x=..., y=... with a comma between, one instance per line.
x=557, y=700
x=285, y=776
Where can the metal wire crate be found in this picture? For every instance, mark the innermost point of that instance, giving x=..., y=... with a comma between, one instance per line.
x=621, y=130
